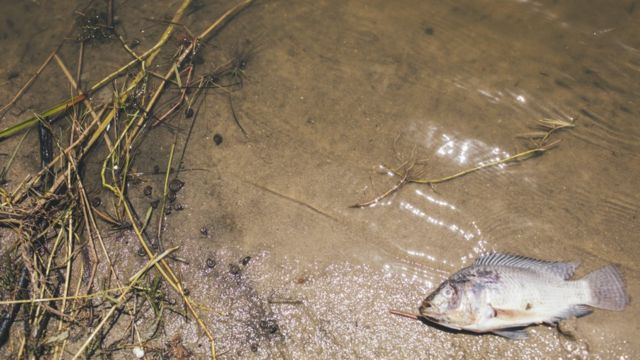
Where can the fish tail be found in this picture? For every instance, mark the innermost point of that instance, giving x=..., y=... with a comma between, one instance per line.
x=607, y=288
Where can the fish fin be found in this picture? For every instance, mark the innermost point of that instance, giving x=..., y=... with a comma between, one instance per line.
x=581, y=310
x=574, y=311
x=562, y=270
x=512, y=334
x=607, y=288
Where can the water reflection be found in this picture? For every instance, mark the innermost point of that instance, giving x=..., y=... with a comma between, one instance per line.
x=435, y=201
x=456, y=229
x=461, y=151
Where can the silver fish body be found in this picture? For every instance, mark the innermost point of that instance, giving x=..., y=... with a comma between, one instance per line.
x=500, y=292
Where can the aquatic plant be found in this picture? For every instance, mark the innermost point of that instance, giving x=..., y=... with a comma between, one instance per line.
x=58, y=243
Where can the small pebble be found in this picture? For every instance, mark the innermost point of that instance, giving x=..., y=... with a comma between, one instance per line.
x=269, y=326
x=12, y=75
x=175, y=185
x=245, y=260
x=217, y=139
x=147, y=190
x=134, y=43
x=234, y=269
x=211, y=263
x=138, y=352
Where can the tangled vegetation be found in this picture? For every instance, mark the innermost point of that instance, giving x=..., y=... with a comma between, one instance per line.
x=55, y=233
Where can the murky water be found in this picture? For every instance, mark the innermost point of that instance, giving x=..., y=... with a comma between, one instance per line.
x=336, y=89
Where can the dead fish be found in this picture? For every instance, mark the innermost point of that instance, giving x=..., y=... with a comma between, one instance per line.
x=502, y=294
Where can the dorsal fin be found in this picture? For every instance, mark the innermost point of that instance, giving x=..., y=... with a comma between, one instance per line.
x=563, y=270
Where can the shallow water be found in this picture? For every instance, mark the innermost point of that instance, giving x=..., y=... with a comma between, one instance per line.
x=334, y=90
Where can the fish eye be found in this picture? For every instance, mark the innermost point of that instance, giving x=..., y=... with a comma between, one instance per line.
x=447, y=292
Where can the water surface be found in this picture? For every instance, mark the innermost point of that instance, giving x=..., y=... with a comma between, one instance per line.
x=334, y=90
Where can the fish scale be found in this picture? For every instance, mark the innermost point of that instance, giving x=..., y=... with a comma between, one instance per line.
x=533, y=297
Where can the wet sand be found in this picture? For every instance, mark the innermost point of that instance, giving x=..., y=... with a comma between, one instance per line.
x=330, y=87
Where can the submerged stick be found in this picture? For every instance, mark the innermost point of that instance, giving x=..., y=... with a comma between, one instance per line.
x=517, y=157
x=375, y=200
x=57, y=109
x=165, y=194
x=405, y=314
x=407, y=179
x=7, y=165
x=30, y=81
x=235, y=117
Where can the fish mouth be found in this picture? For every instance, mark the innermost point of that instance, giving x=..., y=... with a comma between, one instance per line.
x=430, y=315
x=428, y=311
